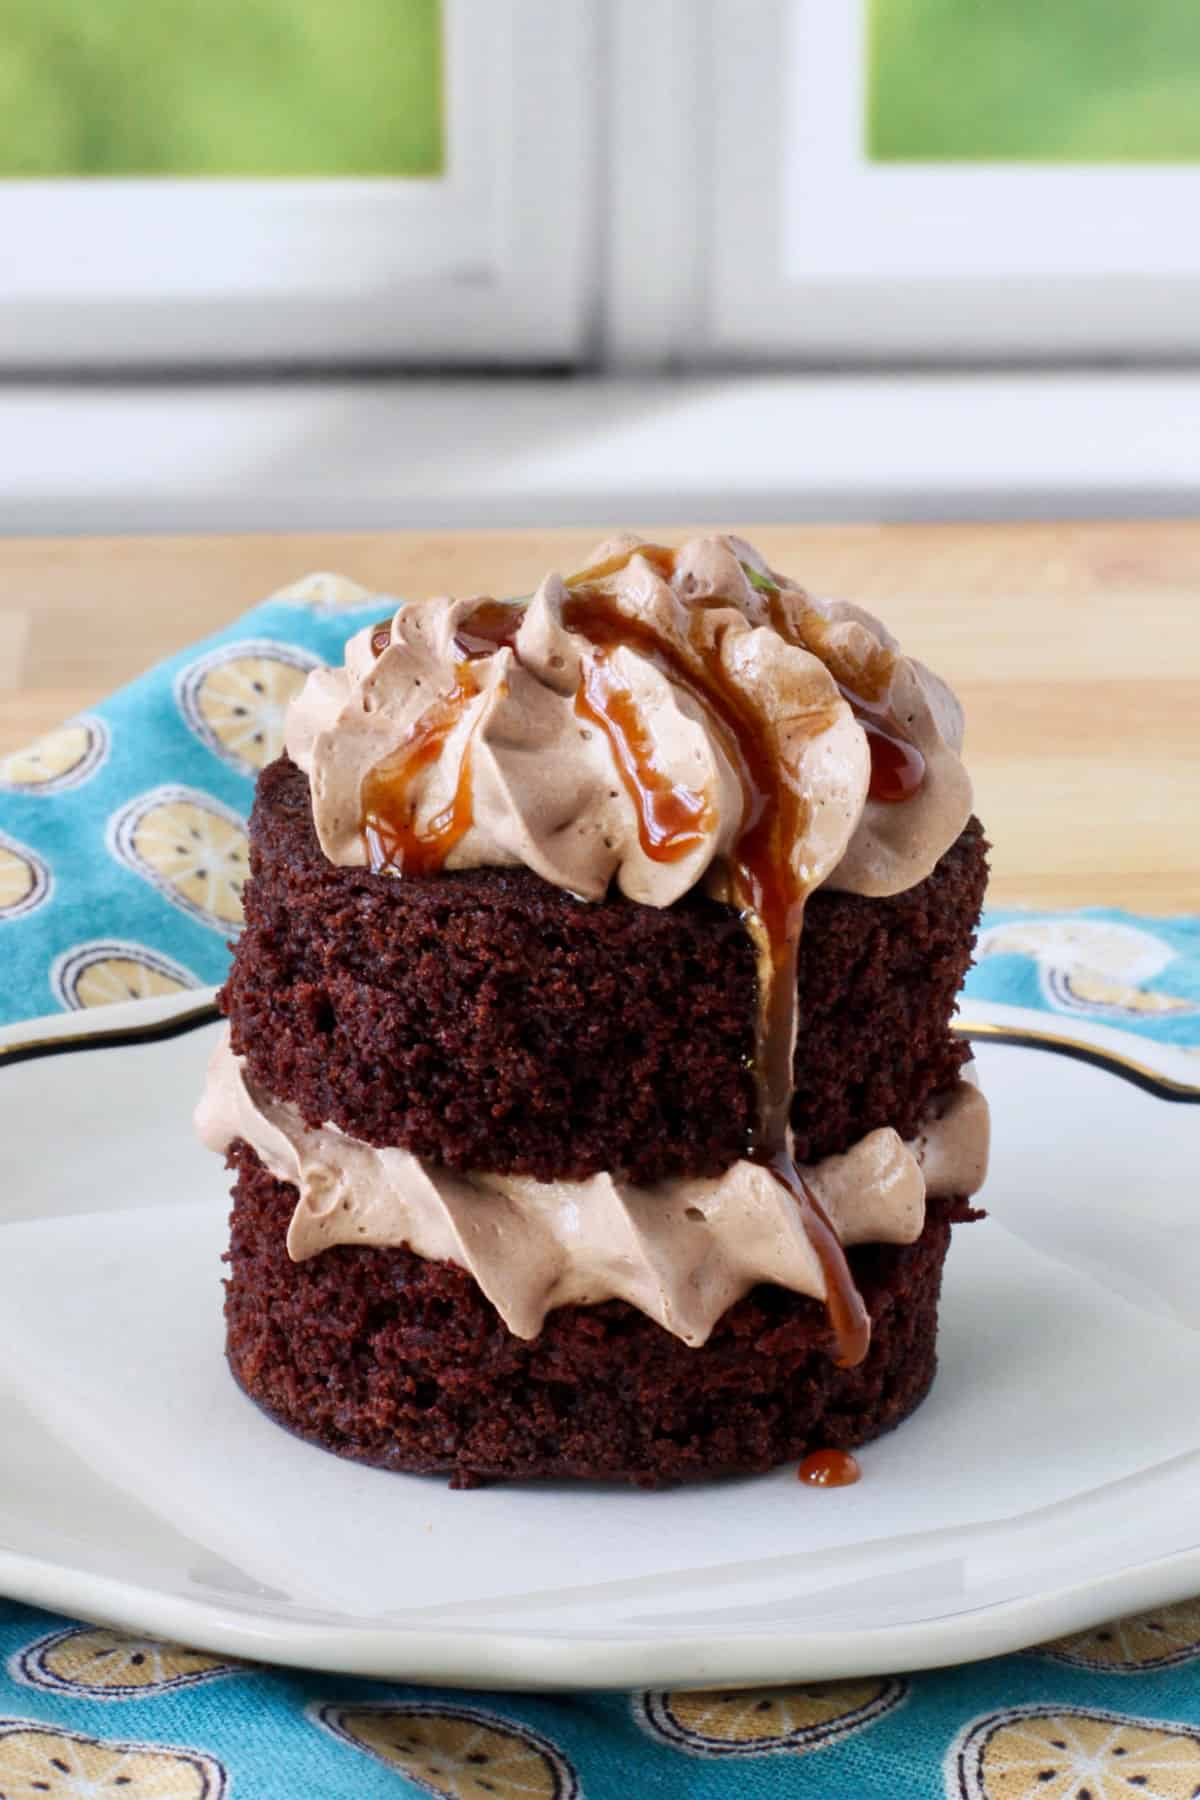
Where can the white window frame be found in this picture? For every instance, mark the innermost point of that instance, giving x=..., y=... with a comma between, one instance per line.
x=486, y=263
x=790, y=246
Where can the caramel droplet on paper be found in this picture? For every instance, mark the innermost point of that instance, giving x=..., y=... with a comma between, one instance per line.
x=829, y=1468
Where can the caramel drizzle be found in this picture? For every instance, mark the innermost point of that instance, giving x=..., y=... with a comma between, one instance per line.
x=659, y=556
x=766, y=890
x=897, y=766
x=389, y=811
x=673, y=820
x=490, y=626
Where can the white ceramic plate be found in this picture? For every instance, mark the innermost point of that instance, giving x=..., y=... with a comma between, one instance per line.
x=1050, y=1480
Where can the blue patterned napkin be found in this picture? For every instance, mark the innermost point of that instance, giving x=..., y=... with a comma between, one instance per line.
x=122, y=855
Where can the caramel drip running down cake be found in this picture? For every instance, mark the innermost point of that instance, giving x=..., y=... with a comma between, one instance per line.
x=589, y=1084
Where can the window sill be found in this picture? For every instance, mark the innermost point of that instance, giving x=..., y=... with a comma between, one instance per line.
x=453, y=452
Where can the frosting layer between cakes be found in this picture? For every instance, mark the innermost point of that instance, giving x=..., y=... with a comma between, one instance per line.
x=682, y=1251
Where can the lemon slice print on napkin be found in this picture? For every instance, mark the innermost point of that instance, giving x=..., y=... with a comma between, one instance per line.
x=236, y=699
x=24, y=879
x=1149, y=1640
x=1035, y=1753
x=762, y=1721
x=38, y=1762
x=324, y=591
x=454, y=1751
x=191, y=848
x=107, y=1665
x=109, y=969
x=1091, y=966
x=61, y=759
x=1087, y=990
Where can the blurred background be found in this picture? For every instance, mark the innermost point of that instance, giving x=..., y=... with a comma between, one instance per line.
x=267, y=263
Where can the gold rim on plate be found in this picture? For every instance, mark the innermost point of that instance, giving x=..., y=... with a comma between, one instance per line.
x=1149, y=1079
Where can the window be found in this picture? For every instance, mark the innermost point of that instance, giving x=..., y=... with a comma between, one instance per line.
x=938, y=179
x=266, y=180
x=409, y=182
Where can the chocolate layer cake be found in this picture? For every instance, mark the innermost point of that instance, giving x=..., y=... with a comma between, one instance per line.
x=590, y=1085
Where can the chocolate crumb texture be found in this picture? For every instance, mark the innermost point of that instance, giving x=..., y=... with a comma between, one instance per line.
x=387, y=1358
x=485, y=1020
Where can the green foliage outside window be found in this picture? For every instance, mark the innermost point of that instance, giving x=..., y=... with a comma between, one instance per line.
x=220, y=87
x=1059, y=81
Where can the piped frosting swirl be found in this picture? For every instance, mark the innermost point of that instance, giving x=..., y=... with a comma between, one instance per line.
x=546, y=785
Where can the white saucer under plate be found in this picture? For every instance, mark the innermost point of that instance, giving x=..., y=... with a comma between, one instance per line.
x=1050, y=1480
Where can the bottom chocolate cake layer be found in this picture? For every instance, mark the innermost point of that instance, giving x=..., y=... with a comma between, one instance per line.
x=385, y=1358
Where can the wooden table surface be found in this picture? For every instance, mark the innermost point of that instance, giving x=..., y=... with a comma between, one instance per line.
x=1075, y=649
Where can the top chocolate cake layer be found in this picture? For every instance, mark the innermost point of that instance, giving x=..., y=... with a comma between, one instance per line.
x=487, y=1020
